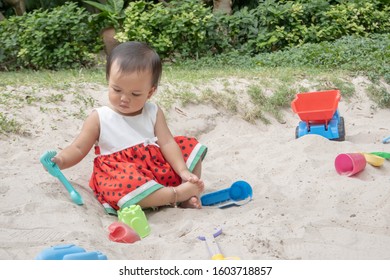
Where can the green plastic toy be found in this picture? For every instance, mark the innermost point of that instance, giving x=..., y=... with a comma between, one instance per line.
x=135, y=218
x=382, y=154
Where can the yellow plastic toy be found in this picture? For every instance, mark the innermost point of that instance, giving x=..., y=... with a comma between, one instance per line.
x=213, y=248
x=374, y=160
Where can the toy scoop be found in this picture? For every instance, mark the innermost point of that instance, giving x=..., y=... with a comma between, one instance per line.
x=374, y=160
x=54, y=170
x=382, y=154
x=238, y=194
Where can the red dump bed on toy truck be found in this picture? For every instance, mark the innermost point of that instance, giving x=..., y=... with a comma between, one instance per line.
x=316, y=106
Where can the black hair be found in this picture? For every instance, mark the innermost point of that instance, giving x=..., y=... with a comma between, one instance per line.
x=135, y=56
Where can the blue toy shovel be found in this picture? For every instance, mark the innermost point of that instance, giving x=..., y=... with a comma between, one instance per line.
x=54, y=170
x=238, y=194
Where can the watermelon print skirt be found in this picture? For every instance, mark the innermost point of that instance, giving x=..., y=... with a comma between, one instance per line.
x=126, y=177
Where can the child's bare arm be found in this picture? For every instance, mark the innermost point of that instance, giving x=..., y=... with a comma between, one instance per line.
x=83, y=143
x=169, y=147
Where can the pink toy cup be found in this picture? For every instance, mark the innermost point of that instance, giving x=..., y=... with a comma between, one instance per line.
x=120, y=232
x=350, y=163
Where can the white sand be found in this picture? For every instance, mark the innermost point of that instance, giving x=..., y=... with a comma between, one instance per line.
x=301, y=208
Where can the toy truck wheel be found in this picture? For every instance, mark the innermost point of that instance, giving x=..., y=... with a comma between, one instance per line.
x=297, y=132
x=341, y=130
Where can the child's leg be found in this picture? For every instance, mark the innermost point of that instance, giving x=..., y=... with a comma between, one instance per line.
x=194, y=201
x=169, y=195
x=198, y=169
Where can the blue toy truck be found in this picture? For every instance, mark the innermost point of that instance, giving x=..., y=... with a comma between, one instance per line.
x=319, y=114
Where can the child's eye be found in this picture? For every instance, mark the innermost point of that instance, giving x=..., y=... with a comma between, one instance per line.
x=117, y=90
x=136, y=94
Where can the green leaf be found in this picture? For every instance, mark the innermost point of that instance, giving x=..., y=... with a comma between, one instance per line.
x=101, y=7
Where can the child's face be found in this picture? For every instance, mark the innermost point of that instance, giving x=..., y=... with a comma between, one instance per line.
x=128, y=92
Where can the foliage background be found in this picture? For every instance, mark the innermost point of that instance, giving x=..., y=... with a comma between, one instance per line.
x=65, y=34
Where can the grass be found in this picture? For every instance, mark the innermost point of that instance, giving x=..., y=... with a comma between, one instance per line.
x=264, y=91
x=9, y=125
x=53, y=79
x=251, y=87
x=46, y=89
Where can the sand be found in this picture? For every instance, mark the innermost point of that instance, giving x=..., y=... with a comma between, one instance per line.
x=301, y=208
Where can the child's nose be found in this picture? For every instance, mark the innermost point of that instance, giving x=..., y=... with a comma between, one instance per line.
x=124, y=98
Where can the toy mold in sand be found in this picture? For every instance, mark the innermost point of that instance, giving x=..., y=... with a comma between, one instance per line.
x=238, y=194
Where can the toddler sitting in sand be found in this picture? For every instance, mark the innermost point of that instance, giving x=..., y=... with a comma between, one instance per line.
x=138, y=160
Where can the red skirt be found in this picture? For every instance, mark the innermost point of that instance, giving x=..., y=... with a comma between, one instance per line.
x=126, y=177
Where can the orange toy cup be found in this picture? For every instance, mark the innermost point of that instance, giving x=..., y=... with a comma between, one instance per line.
x=350, y=163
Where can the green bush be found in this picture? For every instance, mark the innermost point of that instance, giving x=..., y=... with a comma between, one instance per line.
x=369, y=55
x=174, y=29
x=52, y=39
x=65, y=36
x=187, y=29
x=10, y=43
x=290, y=23
x=359, y=17
x=236, y=32
x=274, y=25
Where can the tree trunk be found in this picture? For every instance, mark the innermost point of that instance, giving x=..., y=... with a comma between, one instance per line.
x=222, y=6
x=18, y=5
x=2, y=17
x=108, y=35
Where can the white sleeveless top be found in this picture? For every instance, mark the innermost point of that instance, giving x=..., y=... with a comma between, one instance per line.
x=118, y=132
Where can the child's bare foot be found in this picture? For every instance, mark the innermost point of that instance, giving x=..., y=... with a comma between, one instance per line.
x=193, y=202
x=188, y=194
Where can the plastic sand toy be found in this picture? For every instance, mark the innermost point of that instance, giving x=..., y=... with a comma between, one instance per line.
x=135, y=218
x=386, y=140
x=382, y=154
x=121, y=232
x=319, y=114
x=349, y=164
x=69, y=252
x=212, y=246
x=373, y=159
x=238, y=194
x=54, y=170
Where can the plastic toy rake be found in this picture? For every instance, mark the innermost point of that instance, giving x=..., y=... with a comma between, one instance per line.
x=54, y=170
x=212, y=246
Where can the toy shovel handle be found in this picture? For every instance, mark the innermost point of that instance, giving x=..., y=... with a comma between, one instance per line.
x=222, y=257
x=386, y=140
x=76, y=197
x=65, y=182
x=232, y=258
x=382, y=154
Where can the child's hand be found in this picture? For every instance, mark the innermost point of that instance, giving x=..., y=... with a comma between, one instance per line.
x=187, y=176
x=57, y=160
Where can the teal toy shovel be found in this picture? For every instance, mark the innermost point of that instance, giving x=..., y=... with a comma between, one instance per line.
x=54, y=170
